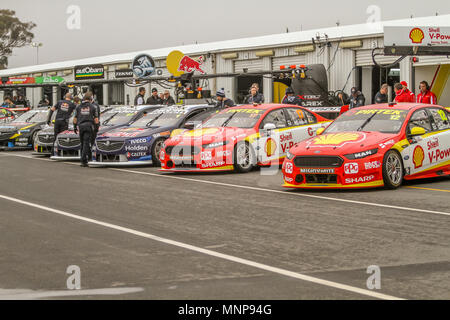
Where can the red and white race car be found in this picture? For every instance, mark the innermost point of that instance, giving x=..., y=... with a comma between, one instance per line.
x=240, y=138
x=373, y=146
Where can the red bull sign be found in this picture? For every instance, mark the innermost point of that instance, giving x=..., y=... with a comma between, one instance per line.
x=178, y=64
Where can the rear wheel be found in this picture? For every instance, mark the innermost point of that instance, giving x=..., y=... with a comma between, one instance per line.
x=392, y=169
x=156, y=150
x=244, y=157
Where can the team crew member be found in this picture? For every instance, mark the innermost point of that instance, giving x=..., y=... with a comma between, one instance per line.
x=357, y=99
x=291, y=98
x=381, y=96
x=8, y=103
x=86, y=117
x=154, y=99
x=425, y=95
x=255, y=97
x=139, y=99
x=64, y=109
x=168, y=100
x=222, y=101
x=96, y=126
x=403, y=94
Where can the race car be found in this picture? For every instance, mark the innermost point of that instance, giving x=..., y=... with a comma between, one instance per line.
x=67, y=144
x=240, y=138
x=6, y=115
x=21, y=132
x=141, y=142
x=373, y=146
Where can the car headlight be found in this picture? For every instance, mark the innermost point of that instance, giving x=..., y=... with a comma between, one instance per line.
x=214, y=145
x=361, y=155
x=289, y=155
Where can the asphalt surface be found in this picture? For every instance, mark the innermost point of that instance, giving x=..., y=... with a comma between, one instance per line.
x=136, y=233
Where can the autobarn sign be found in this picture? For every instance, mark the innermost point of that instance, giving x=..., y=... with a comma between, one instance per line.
x=95, y=71
x=417, y=36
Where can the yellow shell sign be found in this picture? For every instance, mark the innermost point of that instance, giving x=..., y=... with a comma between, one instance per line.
x=418, y=157
x=336, y=138
x=416, y=35
x=271, y=147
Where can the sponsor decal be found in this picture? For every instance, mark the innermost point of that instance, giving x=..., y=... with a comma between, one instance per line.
x=201, y=132
x=351, y=168
x=95, y=71
x=363, y=154
x=418, y=157
x=179, y=63
x=310, y=131
x=245, y=111
x=288, y=179
x=137, y=141
x=136, y=154
x=416, y=35
x=223, y=153
x=124, y=73
x=213, y=164
x=162, y=155
x=85, y=111
x=372, y=165
x=432, y=144
x=381, y=111
x=20, y=80
x=270, y=147
x=314, y=171
x=387, y=143
x=337, y=139
x=182, y=158
x=438, y=155
x=49, y=80
x=206, y=156
x=285, y=137
x=289, y=168
x=359, y=179
x=143, y=66
x=136, y=148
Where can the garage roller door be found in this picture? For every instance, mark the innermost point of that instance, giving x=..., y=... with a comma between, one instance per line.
x=364, y=58
x=288, y=61
x=251, y=65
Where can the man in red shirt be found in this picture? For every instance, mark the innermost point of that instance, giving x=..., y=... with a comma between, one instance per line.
x=425, y=95
x=403, y=94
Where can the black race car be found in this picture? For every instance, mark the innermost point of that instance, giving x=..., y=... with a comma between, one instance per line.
x=21, y=133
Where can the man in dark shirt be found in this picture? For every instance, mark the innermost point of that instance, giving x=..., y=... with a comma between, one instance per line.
x=222, y=101
x=255, y=97
x=154, y=99
x=168, y=100
x=357, y=99
x=291, y=98
x=381, y=96
x=139, y=99
x=86, y=117
x=64, y=109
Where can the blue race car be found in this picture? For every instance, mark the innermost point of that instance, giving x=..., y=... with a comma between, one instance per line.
x=141, y=142
x=67, y=144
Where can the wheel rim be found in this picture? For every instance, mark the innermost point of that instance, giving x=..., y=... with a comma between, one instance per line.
x=243, y=156
x=158, y=147
x=394, y=169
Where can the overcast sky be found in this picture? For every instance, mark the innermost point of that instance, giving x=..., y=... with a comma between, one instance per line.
x=109, y=27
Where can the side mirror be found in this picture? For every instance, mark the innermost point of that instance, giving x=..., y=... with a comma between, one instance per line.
x=320, y=131
x=418, y=131
x=269, y=126
x=189, y=125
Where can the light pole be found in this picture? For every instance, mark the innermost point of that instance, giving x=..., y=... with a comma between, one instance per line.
x=37, y=45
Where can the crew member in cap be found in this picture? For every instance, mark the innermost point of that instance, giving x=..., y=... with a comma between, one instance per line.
x=410, y=97
x=402, y=94
x=357, y=99
x=254, y=97
x=291, y=98
x=139, y=99
x=222, y=101
x=154, y=98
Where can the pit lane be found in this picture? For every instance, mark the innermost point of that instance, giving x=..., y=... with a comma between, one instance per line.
x=321, y=238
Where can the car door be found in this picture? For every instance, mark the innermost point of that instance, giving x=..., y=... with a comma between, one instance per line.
x=272, y=144
x=432, y=150
x=304, y=124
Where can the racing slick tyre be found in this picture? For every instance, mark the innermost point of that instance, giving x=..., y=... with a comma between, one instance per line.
x=244, y=157
x=392, y=170
x=156, y=150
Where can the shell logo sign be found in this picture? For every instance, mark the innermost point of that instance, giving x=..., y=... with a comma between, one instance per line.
x=418, y=157
x=337, y=139
x=271, y=147
x=416, y=35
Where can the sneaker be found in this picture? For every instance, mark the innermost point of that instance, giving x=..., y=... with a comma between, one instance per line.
x=83, y=164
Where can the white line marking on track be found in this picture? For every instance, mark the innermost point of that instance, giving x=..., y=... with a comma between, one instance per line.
x=231, y=258
x=265, y=190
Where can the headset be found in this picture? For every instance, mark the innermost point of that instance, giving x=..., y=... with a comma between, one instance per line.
x=426, y=84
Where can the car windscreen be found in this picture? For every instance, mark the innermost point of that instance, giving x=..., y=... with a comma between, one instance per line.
x=117, y=118
x=380, y=120
x=32, y=117
x=160, y=118
x=240, y=118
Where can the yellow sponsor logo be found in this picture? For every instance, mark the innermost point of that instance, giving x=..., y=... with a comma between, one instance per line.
x=336, y=138
x=245, y=111
x=201, y=132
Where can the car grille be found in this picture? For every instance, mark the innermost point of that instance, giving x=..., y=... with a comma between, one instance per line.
x=321, y=178
x=182, y=150
x=5, y=135
x=46, y=139
x=69, y=142
x=110, y=146
x=318, y=161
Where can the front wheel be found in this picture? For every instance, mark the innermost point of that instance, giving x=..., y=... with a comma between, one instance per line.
x=156, y=150
x=392, y=170
x=244, y=157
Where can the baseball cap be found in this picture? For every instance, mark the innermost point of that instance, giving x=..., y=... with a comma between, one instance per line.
x=404, y=83
x=154, y=90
